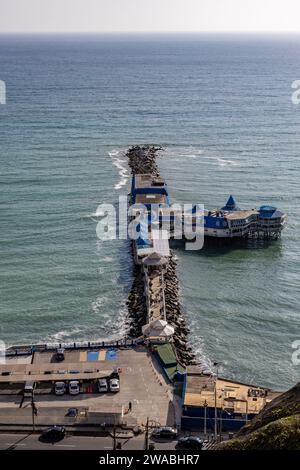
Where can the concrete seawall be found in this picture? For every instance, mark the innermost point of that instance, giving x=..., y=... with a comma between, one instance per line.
x=141, y=160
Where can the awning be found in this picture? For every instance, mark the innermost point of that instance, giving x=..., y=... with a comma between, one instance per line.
x=158, y=329
x=155, y=259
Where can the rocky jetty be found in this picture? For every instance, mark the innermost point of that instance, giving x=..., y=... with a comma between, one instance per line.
x=136, y=304
x=142, y=159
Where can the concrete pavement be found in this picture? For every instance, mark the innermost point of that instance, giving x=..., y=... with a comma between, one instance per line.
x=141, y=383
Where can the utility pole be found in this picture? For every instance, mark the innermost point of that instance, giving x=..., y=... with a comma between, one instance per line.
x=147, y=434
x=205, y=417
x=220, y=426
x=114, y=437
x=216, y=415
x=34, y=413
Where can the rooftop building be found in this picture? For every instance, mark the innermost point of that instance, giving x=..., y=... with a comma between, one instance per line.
x=207, y=396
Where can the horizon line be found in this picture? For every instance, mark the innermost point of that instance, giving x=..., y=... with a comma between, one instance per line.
x=278, y=32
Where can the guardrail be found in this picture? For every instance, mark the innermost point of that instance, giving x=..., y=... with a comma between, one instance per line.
x=22, y=350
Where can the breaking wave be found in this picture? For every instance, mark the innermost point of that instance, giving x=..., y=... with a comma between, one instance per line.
x=119, y=161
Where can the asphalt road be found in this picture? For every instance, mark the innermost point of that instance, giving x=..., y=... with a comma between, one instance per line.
x=74, y=442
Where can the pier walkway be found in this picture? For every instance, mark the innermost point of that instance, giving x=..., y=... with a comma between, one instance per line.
x=154, y=302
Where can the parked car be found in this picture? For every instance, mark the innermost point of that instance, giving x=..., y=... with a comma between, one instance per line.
x=102, y=385
x=114, y=385
x=74, y=387
x=29, y=388
x=190, y=442
x=165, y=432
x=54, y=433
x=60, y=388
x=72, y=412
x=60, y=354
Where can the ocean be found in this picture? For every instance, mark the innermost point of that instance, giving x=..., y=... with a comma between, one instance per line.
x=221, y=107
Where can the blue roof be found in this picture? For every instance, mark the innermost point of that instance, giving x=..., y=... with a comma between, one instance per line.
x=142, y=242
x=271, y=214
x=267, y=209
x=230, y=205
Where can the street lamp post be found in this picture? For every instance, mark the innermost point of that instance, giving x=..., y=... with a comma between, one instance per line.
x=34, y=413
x=220, y=424
x=114, y=437
x=247, y=411
x=216, y=364
x=205, y=417
x=147, y=434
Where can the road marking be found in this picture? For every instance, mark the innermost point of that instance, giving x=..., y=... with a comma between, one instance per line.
x=14, y=444
x=64, y=445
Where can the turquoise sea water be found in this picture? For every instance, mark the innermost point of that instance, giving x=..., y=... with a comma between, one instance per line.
x=221, y=107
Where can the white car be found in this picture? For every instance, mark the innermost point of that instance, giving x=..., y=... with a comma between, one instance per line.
x=102, y=385
x=60, y=388
x=74, y=387
x=114, y=385
x=29, y=389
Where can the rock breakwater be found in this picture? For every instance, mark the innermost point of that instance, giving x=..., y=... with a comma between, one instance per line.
x=142, y=159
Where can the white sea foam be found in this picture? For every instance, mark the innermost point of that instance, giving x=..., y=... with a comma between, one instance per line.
x=99, y=212
x=108, y=259
x=181, y=153
x=98, y=303
x=224, y=162
x=119, y=161
x=64, y=335
x=203, y=360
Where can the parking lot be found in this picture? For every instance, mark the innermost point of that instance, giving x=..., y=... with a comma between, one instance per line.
x=141, y=384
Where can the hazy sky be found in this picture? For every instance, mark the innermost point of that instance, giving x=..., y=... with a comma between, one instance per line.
x=149, y=15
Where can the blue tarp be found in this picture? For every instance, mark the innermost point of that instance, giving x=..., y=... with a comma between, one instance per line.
x=111, y=355
x=92, y=355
